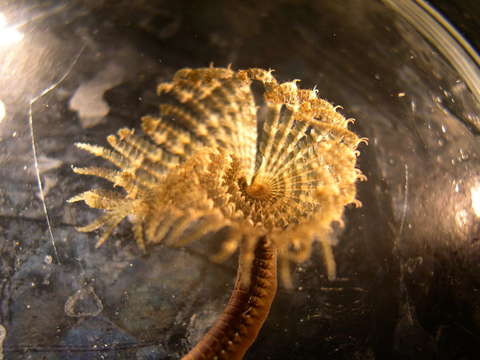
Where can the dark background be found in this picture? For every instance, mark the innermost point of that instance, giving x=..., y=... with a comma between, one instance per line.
x=464, y=14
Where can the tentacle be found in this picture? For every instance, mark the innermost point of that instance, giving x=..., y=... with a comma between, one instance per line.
x=98, y=198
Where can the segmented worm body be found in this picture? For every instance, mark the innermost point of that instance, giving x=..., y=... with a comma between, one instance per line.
x=273, y=175
x=237, y=328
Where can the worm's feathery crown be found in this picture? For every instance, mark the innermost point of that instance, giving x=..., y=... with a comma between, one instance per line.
x=213, y=159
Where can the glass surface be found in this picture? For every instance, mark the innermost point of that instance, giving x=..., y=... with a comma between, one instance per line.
x=408, y=260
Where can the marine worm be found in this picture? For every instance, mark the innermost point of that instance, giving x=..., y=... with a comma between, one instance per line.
x=273, y=176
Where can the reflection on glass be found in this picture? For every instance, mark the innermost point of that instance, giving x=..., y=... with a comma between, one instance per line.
x=475, y=192
x=2, y=110
x=8, y=34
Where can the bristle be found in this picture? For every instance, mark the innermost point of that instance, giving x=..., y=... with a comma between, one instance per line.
x=98, y=198
x=138, y=230
x=109, y=226
x=157, y=228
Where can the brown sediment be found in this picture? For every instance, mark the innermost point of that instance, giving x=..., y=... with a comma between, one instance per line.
x=237, y=328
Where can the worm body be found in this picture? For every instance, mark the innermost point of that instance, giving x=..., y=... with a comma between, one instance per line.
x=237, y=328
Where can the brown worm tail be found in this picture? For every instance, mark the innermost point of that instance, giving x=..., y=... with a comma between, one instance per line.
x=238, y=326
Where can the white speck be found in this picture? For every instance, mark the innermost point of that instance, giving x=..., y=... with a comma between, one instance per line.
x=457, y=188
x=463, y=155
x=377, y=76
x=14, y=134
x=444, y=129
x=3, y=112
x=475, y=194
x=461, y=217
x=413, y=106
x=48, y=260
x=401, y=94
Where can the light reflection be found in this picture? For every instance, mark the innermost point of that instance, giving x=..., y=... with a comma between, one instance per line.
x=8, y=34
x=475, y=193
x=2, y=110
x=461, y=217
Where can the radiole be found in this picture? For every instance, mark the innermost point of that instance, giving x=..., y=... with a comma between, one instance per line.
x=275, y=175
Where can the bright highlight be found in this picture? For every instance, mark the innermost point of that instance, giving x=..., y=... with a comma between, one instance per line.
x=8, y=35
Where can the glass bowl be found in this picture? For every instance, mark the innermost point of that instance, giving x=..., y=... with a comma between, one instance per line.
x=408, y=284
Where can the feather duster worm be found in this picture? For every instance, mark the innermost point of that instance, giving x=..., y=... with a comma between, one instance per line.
x=273, y=176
